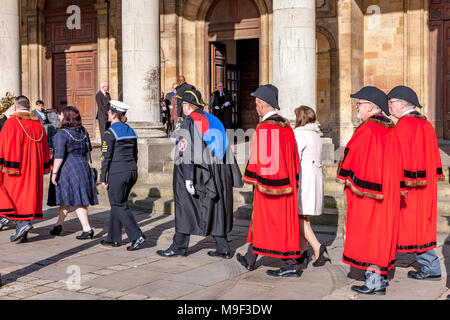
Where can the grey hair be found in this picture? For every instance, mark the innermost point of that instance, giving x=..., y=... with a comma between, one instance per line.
x=376, y=108
x=409, y=104
x=103, y=84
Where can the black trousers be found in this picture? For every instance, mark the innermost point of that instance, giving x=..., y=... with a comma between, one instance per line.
x=181, y=243
x=103, y=125
x=290, y=263
x=119, y=189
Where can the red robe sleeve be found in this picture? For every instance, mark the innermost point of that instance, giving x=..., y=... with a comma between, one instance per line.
x=363, y=155
x=6, y=205
x=267, y=168
x=10, y=147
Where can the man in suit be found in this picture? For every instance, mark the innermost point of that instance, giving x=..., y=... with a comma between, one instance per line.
x=42, y=114
x=221, y=104
x=103, y=99
x=182, y=87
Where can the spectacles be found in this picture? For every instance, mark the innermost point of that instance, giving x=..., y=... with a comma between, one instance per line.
x=360, y=103
x=393, y=101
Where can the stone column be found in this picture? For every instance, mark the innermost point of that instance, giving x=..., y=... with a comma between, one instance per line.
x=141, y=69
x=294, y=54
x=10, y=77
x=294, y=60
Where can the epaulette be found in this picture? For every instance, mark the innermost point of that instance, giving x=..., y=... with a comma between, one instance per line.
x=2, y=116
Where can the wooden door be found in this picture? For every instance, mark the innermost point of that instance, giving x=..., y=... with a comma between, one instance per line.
x=446, y=102
x=74, y=82
x=248, y=63
x=218, y=64
x=233, y=85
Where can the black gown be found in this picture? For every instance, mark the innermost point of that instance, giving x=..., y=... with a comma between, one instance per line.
x=210, y=210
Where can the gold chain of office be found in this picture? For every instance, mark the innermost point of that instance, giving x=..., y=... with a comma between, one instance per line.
x=84, y=138
x=26, y=133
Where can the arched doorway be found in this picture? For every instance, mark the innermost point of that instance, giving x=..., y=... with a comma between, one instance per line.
x=233, y=32
x=70, y=68
x=327, y=83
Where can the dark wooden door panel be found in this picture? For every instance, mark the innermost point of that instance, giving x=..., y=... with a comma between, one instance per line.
x=447, y=81
x=248, y=64
x=218, y=64
x=74, y=82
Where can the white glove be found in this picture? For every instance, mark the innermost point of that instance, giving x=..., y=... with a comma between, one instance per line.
x=226, y=104
x=190, y=187
x=217, y=108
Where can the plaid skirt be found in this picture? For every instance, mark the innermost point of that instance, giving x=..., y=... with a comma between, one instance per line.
x=76, y=185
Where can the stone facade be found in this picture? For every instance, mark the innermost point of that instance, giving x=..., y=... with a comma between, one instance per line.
x=358, y=42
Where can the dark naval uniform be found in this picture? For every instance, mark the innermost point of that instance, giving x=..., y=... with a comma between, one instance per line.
x=119, y=170
x=210, y=210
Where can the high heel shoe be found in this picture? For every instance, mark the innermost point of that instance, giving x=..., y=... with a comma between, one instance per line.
x=86, y=235
x=56, y=231
x=322, y=259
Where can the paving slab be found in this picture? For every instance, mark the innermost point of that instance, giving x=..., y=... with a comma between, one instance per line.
x=165, y=289
x=63, y=295
x=174, y=265
x=127, y=279
x=209, y=274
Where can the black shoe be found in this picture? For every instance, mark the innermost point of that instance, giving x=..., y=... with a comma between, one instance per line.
x=363, y=289
x=21, y=232
x=322, y=259
x=283, y=273
x=226, y=255
x=136, y=243
x=110, y=244
x=306, y=255
x=419, y=275
x=3, y=222
x=24, y=239
x=56, y=231
x=169, y=253
x=86, y=235
x=242, y=261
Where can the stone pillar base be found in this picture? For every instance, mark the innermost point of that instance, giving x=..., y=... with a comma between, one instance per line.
x=146, y=130
x=155, y=155
x=327, y=151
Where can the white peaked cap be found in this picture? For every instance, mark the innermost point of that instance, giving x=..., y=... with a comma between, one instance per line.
x=119, y=106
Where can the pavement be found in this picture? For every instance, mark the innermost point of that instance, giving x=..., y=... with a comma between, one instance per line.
x=64, y=268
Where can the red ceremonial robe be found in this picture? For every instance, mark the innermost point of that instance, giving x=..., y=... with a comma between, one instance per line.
x=273, y=169
x=423, y=168
x=371, y=172
x=24, y=159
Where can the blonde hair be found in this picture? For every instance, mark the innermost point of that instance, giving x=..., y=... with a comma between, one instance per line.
x=304, y=115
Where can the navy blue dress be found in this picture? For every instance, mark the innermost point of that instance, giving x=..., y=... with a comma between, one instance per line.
x=76, y=185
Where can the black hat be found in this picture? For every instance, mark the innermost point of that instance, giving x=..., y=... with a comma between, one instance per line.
x=404, y=93
x=375, y=96
x=267, y=93
x=194, y=97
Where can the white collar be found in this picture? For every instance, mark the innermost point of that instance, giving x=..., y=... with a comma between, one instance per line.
x=406, y=112
x=269, y=114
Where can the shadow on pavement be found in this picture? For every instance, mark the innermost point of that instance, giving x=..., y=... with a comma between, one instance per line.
x=44, y=231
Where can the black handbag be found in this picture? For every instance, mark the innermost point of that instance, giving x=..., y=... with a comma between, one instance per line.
x=94, y=171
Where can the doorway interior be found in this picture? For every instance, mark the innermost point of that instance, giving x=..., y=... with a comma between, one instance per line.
x=235, y=63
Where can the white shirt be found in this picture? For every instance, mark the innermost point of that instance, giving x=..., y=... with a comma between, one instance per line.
x=41, y=114
x=269, y=114
x=406, y=112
